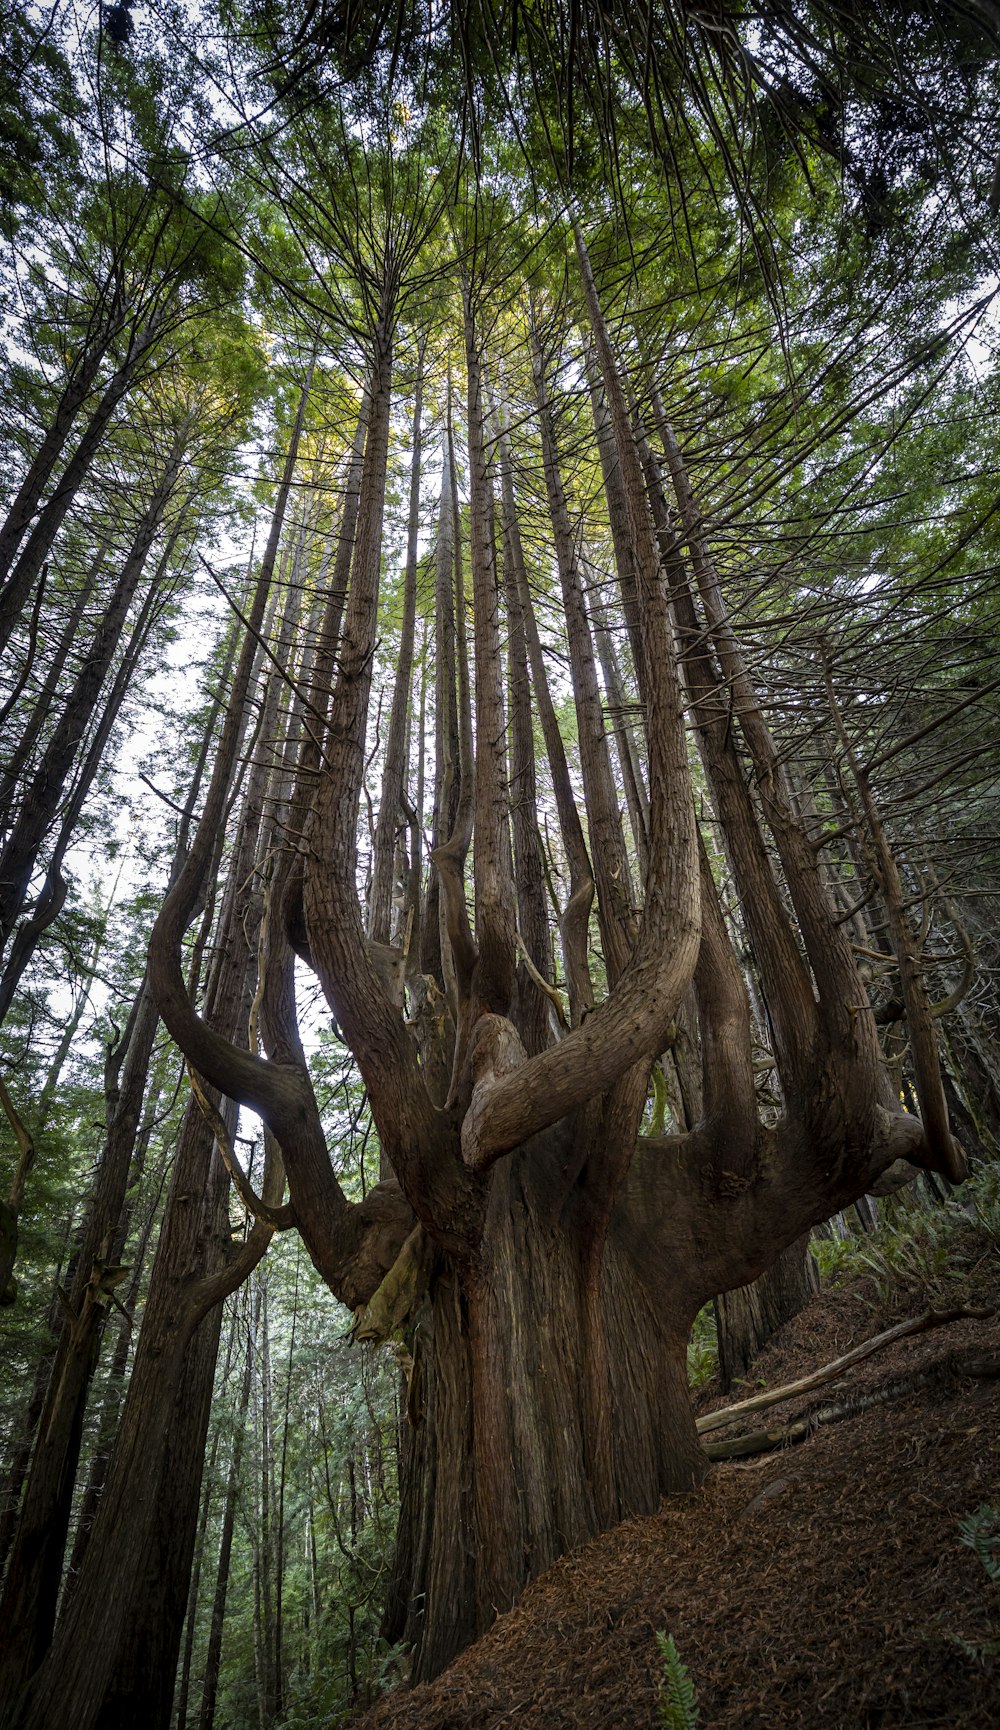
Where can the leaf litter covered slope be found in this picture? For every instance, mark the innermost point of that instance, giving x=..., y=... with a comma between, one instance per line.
x=822, y=1585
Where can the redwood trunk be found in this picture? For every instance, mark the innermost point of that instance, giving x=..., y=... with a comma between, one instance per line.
x=749, y=1316
x=496, y=1475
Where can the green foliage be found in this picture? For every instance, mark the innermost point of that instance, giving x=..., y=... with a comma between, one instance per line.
x=981, y=1532
x=677, y=1706
x=981, y=1197
x=703, y=1348
x=916, y=1249
x=920, y=1256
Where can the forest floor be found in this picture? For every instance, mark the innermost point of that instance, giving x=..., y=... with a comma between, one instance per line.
x=825, y=1585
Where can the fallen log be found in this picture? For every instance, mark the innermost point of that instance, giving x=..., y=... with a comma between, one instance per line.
x=764, y=1441
x=775, y=1396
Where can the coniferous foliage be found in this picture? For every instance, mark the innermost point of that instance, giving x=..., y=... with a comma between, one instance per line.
x=498, y=596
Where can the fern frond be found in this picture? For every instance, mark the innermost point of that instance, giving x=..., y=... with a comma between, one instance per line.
x=981, y=1532
x=678, y=1702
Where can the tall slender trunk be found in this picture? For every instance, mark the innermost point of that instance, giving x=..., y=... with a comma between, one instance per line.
x=616, y=914
x=279, y=1543
x=749, y=1316
x=493, y=866
x=52, y=894
x=447, y=776
x=266, y=1523
x=111, y=1403
x=37, y=547
x=390, y=814
x=42, y=797
x=79, y=382
x=534, y=1005
x=906, y=945
x=333, y=587
x=574, y=923
x=44, y=703
x=115, y=1649
x=207, y=1498
x=213, y=1653
x=618, y=708
x=618, y=515
x=31, y=1590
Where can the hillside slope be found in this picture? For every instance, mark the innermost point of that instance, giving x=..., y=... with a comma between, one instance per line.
x=823, y=1585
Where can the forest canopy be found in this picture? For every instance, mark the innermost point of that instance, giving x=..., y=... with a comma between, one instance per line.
x=498, y=598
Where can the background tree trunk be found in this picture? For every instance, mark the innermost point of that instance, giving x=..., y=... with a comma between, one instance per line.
x=750, y=1315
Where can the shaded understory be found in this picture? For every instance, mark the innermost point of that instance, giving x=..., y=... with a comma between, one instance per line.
x=821, y=1585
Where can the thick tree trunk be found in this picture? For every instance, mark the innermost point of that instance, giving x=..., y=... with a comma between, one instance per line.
x=497, y=1480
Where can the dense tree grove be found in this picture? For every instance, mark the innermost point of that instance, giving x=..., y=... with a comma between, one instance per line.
x=498, y=598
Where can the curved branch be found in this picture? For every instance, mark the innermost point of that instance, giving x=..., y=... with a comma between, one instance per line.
x=554, y=996
x=275, y=1218
x=506, y=1108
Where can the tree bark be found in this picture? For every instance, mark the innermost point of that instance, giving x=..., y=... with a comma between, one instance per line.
x=749, y=1316
x=390, y=813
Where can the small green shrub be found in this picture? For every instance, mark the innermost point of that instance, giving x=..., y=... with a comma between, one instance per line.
x=677, y=1707
x=916, y=1249
x=981, y=1532
x=703, y=1348
x=980, y=1200
x=921, y=1256
x=836, y=1258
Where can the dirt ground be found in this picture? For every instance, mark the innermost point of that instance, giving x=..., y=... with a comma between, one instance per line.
x=823, y=1586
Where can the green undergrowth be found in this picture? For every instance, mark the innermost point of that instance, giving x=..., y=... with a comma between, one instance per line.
x=703, y=1348
x=981, y=1532
x=917, y=1249
x=677, y=1705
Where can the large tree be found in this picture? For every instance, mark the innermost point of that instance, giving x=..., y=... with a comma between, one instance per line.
x=543, y=1259
x=639, y=423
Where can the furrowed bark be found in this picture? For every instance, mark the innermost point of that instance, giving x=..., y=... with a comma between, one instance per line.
x=607, y=843
x=390, y=814
x=632, y=1024
x=533, y=1012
